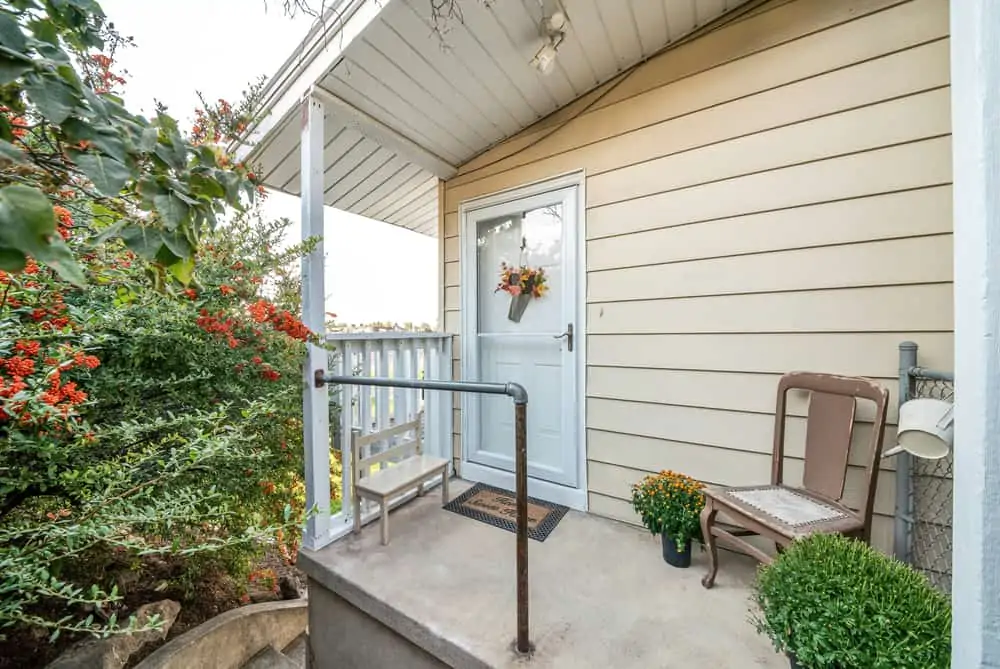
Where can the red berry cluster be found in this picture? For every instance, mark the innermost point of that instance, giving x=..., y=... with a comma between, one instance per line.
x=263, y=311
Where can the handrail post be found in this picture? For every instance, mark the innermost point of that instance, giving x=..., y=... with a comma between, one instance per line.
x=522, y=643
x=521, y=492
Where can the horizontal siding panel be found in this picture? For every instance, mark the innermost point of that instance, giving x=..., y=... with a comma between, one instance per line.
x=824, y=22
x=615, y=481
x=452, y=274
x=915, y=165
x=755, y=393
x=723, y=430
x=893, y=122
x=451, y=299
x=841, y=47
x=882, y=309
x=451, y=224
x=452, y=322
x=875, y=355
x=893, y=262
x=721, y=466
x=909, y=213
x=451, y=249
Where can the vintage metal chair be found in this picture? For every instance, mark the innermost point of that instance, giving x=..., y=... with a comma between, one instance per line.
x=784, y=513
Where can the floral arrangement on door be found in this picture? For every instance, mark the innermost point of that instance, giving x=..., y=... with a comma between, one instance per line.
x=522, y=283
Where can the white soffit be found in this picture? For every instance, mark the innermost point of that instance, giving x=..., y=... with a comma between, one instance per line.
x=406, y=104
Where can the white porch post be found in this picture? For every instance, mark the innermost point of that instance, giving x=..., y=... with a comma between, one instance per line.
x=975, y=98
x=315, y=402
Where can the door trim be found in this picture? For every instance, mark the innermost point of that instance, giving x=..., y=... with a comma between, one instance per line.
x=576, y=498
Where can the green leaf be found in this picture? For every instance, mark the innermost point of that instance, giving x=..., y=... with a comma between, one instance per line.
x=54, y=98
x=104, y=139
x=171, y=209
x=170, y=154
x=28, y=226
x=108, y=174
x=11, y=35
x=12, y=260
x=12, y=69
x=146, y=242
x=26, y=218
x=112, y=230
x=183, y=270
x=11, y=153
x=206, y=187
x=59, y=257
x=150, y=135
x=45, y=30
x=178, y=244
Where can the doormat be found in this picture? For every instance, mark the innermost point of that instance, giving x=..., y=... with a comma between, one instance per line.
x=498, y=508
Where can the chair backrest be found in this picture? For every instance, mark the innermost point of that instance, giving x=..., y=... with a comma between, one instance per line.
x=829, y=430
x=394, y=450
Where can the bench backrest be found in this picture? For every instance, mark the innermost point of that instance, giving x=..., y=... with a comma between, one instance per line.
x=393, y=452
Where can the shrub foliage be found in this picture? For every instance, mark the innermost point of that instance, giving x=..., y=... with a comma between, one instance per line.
x=836, y=603
x=136, y=422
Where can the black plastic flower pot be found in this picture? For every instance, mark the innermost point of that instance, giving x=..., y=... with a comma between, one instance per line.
x=674, y=557
x=792, y=662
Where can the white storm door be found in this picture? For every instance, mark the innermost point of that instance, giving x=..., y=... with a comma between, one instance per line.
x=540, y=350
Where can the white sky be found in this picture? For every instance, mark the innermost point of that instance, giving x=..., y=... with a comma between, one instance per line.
x=375, y=271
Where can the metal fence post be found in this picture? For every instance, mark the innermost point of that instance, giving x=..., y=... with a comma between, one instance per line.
x=904, y=463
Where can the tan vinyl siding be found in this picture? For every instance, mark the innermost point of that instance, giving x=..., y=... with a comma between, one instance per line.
x=773, y=195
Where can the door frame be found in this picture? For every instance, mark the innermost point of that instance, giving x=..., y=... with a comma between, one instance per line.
x=575, y=498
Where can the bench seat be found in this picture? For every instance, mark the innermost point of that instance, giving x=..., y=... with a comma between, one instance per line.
x=402, y=476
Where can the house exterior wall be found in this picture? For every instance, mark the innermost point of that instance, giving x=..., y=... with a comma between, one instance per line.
x=773, y=195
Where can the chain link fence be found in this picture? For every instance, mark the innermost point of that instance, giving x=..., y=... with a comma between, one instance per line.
x=925, y=487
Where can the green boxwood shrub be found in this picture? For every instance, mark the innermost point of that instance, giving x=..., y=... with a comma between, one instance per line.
x=836, y=603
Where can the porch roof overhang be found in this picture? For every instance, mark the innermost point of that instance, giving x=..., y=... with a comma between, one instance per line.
x=407, y=102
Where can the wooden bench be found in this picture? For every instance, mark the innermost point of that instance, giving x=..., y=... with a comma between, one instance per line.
x=393, y=476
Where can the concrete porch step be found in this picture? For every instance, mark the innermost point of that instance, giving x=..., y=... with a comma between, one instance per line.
x=292, y=657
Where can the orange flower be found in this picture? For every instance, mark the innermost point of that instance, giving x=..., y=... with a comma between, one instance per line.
x=226, y=289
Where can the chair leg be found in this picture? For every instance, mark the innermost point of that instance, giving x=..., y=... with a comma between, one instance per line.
x=444, y=487
x=707, y=522
x=385, y=522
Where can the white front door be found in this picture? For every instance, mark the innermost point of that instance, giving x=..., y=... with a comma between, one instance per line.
x=538, y=349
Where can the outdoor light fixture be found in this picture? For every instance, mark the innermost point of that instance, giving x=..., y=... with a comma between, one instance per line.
x=553, y=32
x=926, y=429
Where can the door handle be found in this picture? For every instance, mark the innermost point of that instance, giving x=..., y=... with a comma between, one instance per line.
x=568, y=336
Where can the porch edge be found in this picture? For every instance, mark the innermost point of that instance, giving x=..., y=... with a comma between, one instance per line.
x=408, y=628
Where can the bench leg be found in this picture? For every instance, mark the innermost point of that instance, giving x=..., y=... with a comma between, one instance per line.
x=356, y=504
x=385, y=522
x=444, y=487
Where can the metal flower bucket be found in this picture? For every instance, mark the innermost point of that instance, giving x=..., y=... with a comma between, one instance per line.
x=518, y=303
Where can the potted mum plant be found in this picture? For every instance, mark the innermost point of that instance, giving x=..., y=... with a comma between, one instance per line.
x=670, y=505
x=829, y=602
x=522, y=283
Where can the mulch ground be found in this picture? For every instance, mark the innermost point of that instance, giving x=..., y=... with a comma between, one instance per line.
x=153, y=581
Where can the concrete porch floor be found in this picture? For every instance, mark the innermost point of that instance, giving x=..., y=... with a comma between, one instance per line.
x=601, y=595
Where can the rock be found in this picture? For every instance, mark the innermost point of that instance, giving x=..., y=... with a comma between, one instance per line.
x=114, y=652
x=289, y=588
x=259, y=596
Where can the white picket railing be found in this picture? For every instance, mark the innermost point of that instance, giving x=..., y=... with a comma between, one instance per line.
x=401, y=355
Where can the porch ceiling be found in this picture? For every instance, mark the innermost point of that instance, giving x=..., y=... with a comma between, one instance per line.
x=406, y=105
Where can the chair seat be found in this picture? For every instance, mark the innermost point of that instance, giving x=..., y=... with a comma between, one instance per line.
x=790, y=511
x=402, y=475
